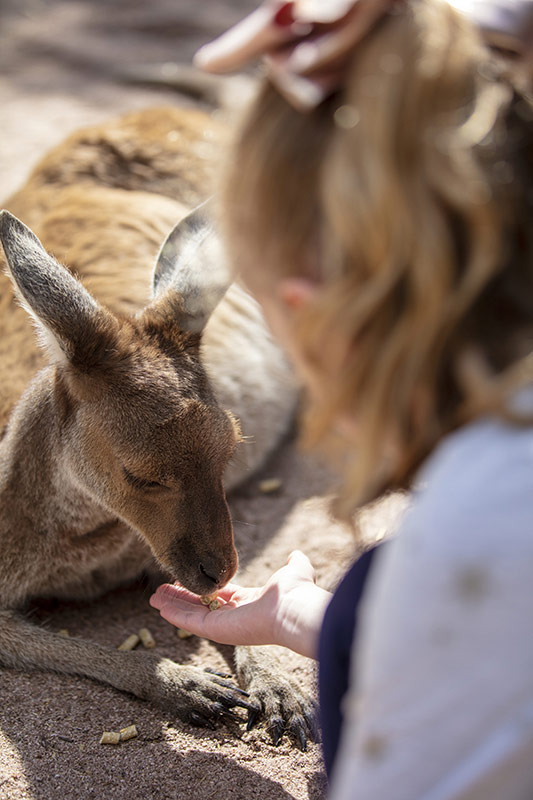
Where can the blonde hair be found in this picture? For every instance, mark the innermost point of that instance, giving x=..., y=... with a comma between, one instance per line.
x=408, y=195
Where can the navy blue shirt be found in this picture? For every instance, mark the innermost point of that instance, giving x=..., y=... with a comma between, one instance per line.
x=334, y=652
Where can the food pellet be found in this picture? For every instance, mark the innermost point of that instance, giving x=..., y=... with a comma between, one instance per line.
x=110, y=737
x=270, y=485
x=130, y=643
x=183, y=634
x=211, y=601
x=146, y=638
x=64, y=632
x=128, y=733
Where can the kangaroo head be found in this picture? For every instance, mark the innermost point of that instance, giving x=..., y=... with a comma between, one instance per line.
x=139, y=427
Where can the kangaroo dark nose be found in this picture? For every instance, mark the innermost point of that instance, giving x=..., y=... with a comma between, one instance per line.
x=217, y=572
x=206, y=574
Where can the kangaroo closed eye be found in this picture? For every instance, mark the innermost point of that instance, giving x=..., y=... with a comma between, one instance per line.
x=141, y=483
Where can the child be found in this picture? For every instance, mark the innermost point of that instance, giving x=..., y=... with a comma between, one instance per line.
x=387, y=233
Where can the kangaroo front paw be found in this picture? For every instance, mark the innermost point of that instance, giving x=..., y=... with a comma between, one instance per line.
x=195, y=696
x=285, y=708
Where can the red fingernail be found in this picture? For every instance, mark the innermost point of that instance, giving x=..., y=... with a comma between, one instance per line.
x=284, y=16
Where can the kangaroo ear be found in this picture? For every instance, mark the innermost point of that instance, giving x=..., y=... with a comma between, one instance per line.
x=191, y=275
x=71, y=324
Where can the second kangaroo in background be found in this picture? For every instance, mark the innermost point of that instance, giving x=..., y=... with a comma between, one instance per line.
x=117, y=435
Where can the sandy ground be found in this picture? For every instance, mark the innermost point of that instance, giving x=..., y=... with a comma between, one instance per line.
x=58, y=68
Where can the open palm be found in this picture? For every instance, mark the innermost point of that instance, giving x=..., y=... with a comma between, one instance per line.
x=287, y=610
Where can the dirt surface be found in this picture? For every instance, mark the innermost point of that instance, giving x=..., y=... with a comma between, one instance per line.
x=60, y=64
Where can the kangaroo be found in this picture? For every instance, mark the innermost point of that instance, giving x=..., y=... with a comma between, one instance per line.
x=119, y=425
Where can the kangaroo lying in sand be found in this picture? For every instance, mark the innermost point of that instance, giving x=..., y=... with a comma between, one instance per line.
x=117, y=433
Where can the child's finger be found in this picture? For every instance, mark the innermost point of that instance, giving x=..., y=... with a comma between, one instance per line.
x=226, y=625
x=301, y=564
x=227, y=591
x=168, y=592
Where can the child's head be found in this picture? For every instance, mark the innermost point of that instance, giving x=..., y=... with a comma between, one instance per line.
x=405, y=205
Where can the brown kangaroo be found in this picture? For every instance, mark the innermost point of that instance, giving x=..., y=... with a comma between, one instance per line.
x=118, y=432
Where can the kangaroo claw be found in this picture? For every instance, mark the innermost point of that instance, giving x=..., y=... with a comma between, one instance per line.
x=200, y=721
x=217, y=672
x=276, y=728
x=298, y=731
x=253, y=716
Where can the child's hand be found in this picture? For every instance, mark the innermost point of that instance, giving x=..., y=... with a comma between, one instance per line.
x=287, y=610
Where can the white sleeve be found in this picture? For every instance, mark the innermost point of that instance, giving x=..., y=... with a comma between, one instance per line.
x=441, y=704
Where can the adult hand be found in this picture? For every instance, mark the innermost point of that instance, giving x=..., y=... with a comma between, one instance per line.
x=287, y=610
x=304, y=44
